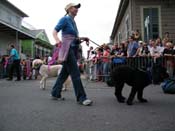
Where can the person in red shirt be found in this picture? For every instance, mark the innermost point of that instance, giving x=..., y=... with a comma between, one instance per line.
x=106, y=63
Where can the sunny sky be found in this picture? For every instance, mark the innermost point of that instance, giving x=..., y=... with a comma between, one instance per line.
x=95, y=18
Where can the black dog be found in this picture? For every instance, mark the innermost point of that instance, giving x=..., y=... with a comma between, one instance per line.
x=136, y=78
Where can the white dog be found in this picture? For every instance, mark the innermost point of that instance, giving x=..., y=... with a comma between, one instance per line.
x=49, y=71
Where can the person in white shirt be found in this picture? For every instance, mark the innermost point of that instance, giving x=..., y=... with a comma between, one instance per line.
x=155, y=50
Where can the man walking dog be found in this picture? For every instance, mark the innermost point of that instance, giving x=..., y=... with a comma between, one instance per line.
x=68, y=54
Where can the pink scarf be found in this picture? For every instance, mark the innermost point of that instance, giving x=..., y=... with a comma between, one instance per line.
x=61, y=53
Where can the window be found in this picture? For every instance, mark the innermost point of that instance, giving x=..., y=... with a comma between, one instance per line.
x=151, y=23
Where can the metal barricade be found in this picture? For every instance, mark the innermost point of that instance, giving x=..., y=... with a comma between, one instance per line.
x=145, y=62
x=141, y=62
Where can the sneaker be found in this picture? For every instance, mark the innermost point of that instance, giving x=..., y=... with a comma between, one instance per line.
x=57, y=98
x=86, y=102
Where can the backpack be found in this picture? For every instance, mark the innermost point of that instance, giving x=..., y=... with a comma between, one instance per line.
x=168, y=86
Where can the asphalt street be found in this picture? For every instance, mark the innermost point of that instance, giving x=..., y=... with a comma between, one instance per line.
x=25, y=107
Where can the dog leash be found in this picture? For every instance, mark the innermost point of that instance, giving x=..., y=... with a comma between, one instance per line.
x=94, y=43
x=97, y=44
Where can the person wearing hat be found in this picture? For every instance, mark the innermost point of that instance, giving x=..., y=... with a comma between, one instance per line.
x=69, y=48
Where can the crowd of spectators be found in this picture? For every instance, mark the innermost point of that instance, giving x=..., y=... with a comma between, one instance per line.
x=99, y=59
x=26, y=70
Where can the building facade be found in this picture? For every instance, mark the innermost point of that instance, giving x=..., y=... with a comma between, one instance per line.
x=24, y=39
x=40, y=46
x=153, y=18
x=10, y=26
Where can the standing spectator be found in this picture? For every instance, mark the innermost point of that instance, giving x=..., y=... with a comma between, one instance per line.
x=144, y=51
x=150, y=45
x=99, y=64
x=89, y=62
x=122, y=50
x=136, y=35
x=115, y=50
x=94, y=73
x=92, y=65
x=29, y=68
x=14, y=56
x=155, y=50
x=89, y=52
x=4, y=65
x=119, y=58
x=159, y=42
x=106, y=63
x=167, y=37
x=24, y=69
x=168, y=53
x=132, y=47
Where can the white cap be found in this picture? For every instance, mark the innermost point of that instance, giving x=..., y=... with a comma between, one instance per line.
x=72, y=5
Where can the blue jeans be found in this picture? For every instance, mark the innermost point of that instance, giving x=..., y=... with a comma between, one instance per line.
x=70, y=67
x=99, y=70
x=106, y=71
